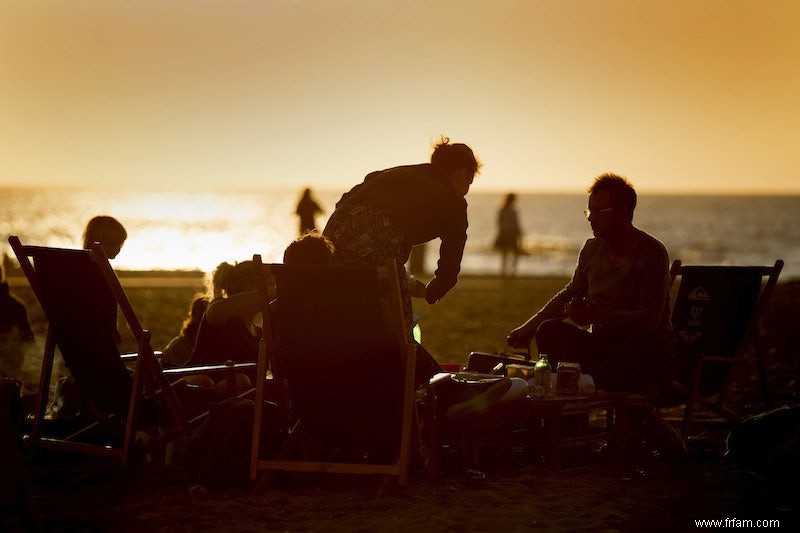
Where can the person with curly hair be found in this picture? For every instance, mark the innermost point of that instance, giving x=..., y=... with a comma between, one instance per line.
x=394, y=209
x=228, y=330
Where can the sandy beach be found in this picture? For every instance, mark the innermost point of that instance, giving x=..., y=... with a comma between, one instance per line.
x=650, y=492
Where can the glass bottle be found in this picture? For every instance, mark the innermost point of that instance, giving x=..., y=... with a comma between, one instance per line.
x=541, y=376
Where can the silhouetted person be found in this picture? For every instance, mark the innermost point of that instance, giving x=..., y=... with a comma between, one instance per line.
x=111, y=234
x=106, y=230
x=397, y=208
x=307, y=210
x=311, y=248
x=227, y=330
x=16, y=513
x=509, y=234
x=621, y=288
x=180, y=348
x=16, y=335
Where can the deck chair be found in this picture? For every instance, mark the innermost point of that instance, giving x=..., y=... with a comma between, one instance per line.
x=79, y=293
x=341, y=358
x=716, y=318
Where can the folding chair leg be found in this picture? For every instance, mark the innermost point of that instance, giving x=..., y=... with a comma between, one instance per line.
x=691, y=400
x=431, y=443
x=283, y=453
x=762, y=371
x=44, y=386
x=262, y=483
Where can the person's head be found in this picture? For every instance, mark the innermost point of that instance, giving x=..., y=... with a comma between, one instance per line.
x=108, y=232
x=312, y=248
x=227, y=279
x=510, y=199
x=458, y=162
x=612, y=200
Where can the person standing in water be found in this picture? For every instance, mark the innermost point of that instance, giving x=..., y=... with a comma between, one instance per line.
x=307, y=210
x=509, y=235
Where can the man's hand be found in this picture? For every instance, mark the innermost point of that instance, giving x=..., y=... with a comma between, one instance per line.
x=584, y=311
x=415, y=287
x=521, y=337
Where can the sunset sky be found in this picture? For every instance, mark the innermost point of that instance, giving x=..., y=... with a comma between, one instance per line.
x=679, y=95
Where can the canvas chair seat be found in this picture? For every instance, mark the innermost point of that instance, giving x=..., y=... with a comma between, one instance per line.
x=340, y=354
x=715, y=317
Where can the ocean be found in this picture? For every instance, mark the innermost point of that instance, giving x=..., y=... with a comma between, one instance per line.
x=197, y=230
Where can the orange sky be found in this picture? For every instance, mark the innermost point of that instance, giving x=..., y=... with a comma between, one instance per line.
x=678, y=95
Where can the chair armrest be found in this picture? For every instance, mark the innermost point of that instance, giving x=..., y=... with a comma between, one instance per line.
x=209, y=369
x=132, y=356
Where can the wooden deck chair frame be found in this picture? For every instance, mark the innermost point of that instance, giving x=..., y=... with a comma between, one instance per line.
x=148, y=378
x=750, y=338
x=268, y=361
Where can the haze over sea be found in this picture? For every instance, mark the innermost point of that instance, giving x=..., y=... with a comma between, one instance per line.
x=197, y=230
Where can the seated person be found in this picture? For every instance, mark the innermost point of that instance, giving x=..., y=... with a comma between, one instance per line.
x=16, y=335
x=227, y=331
x=621, y=289
x=106, y=230
x=316, y=249
x=179, y=349
x=312, y=248
x=111, y=235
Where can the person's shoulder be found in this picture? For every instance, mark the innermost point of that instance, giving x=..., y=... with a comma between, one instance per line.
x=650, y=242
x=591, y=245
x=652, y=250
x=420, y=169
x=590, y=249
x=399, y=174
x=177, y=344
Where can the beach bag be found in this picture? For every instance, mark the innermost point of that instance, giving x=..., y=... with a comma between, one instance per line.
x=768, y=442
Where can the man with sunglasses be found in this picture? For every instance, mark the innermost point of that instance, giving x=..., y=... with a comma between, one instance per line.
x=620, y=289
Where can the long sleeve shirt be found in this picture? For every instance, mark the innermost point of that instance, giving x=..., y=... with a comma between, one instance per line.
x=423, y=203
x=636, y=293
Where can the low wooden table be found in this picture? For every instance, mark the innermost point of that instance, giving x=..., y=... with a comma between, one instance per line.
x=540, y=425
x=551, y=416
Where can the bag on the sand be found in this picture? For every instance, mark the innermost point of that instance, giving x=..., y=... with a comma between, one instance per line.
x=769, y=442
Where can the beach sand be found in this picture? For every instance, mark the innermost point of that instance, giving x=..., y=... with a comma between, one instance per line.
x=650, y=492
